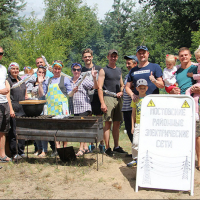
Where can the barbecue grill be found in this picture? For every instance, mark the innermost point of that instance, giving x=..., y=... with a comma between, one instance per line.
x=69, y=129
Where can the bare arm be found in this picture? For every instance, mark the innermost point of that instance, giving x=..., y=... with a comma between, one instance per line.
x=195, y=89
x=5, y=90
x=40, y=88
x=158, y=82
x=100, y=90
x=133, y=119
x=12, y=113
x=120, y=94
x=175, y=90
x=129, y=91
x=94, y=76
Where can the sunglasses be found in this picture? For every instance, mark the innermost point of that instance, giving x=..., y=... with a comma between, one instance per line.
x=42, y=67
x=1, y=53
x=78, y=70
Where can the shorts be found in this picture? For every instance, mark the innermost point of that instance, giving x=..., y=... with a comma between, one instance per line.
x=4, y=117
x=114, y=106
x=168, y=89
x=135, y=141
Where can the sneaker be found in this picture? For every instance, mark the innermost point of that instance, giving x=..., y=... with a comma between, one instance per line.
x=119, y=150
x=54, y=153
x=23, y=155
x=101, y=148
x=132, y=163
x=109, y=152
x=17, y=157
x=91, y=148
x=197, y=117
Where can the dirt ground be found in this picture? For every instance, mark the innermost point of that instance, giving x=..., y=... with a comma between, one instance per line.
x=41, y=178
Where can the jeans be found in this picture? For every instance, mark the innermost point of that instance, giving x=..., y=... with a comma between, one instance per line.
x=42, y=145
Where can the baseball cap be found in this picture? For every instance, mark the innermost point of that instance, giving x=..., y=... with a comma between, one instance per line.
x=131, y=57
x=141, y=47
x=112, y=51
x=141, y=82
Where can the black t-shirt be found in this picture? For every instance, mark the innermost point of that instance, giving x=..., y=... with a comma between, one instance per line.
x=112, y=79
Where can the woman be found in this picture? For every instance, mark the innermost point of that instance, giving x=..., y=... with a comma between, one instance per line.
x=57, y=89
x=42, y=145
x=17, y=94
x=81, y=101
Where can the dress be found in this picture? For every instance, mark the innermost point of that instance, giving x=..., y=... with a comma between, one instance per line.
x=127, y=111
x=4, y=107
x=137, y=106
x=56, y=90
x=93, y=94
x=16, y=95
x=137, y=73
x=81, y=101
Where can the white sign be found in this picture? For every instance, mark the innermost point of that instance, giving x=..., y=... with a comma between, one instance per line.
x=166, y=153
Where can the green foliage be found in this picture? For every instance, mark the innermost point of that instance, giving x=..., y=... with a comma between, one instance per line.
x=183, y=15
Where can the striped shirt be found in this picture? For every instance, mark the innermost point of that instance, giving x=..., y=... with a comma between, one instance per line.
x=126, y=98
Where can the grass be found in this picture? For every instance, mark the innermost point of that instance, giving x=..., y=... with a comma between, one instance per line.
x=41, y=178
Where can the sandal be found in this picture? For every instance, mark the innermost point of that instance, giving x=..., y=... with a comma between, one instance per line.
x=80, y=153
x=198, y=168
x=43, y=154
x=37, y=153
x=87, y=151
x=3, y=160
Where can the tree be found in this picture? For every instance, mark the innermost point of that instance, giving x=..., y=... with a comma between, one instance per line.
x=183, y=15
x=10, y=23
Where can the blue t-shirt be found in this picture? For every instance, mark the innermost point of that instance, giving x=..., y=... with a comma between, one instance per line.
x=184, y=82
x=137, y=73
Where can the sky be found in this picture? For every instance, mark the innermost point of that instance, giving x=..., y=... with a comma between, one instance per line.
x=37, y=6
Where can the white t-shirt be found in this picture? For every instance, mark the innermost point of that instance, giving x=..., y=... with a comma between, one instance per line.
x=3, y=74
x=169, y=76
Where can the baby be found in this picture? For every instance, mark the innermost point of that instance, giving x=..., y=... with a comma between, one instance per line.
x=169, y=76
x=197, y=78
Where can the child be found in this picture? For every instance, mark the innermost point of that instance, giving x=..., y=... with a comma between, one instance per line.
x=195, y=77
x=169, y=76
x=141, y=87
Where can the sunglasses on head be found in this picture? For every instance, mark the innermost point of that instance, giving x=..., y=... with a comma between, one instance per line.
x=42, y=67
x=1, y=53
x=78, y=70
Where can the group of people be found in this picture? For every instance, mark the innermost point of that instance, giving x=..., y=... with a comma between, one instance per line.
x=102, y=92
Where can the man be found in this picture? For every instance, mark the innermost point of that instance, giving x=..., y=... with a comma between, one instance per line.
x=39, y=61
x=131, y=62
x=151, y=72
x=184, y=82
x=4, y=110
x=87, y=57
x=110, y=78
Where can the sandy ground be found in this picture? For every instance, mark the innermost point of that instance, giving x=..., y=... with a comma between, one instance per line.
x=41, y=178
